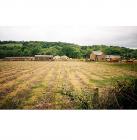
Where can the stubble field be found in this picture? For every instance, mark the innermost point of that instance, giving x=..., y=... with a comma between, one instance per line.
x=54, y=85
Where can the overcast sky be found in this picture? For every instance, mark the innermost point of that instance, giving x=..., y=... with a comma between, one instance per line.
x=125, y=36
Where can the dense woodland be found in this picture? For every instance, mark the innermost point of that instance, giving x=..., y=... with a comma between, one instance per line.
x=31, y=48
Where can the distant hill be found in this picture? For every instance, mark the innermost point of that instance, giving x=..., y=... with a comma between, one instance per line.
x=31, y=48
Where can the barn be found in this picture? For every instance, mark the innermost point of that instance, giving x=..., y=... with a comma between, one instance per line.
x=97, y=56
x=43, y=57
x=113, y=58
x=19, y=58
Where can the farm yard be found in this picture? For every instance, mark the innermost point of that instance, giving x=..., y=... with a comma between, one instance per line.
x=58, y=84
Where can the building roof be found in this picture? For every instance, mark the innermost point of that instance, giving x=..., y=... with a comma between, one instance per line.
x=64, y=56
x=57, y=57
x=97, y=52
x=44, y=56
x=113, y=56
x=18, y=57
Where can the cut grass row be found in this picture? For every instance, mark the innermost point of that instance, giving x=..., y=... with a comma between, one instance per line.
x=18, y=88
x=56, y=85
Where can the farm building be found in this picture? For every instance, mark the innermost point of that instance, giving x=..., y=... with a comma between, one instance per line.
x=64, y=58
x=135, y=61
x=19, y=58
x=97, y=56
x=113, y=58
x=43, y=57
x=129, y=61
x=59, y=58
x=56, y=58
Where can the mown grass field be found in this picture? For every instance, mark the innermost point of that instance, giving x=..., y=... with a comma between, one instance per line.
x=56, y=85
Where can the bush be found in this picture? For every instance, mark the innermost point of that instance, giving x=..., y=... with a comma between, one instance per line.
x=123, y=95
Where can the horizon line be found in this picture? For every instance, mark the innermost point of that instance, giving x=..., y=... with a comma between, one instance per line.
x=66, y=42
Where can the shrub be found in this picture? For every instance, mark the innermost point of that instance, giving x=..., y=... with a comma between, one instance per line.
x=123, y=95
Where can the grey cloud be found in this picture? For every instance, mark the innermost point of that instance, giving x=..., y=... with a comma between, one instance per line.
x=125, y=36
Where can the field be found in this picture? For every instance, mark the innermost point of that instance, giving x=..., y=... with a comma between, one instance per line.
x=56, y=85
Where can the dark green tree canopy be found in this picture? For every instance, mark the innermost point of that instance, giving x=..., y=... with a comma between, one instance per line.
x=31, y=48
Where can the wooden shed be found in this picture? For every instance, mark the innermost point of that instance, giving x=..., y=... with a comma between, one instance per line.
x=97, y=56
x=19, y=58
x=43, y=57
x=113, y=58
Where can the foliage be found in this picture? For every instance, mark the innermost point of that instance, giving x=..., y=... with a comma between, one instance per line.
x=123, y=95
x=31, y=48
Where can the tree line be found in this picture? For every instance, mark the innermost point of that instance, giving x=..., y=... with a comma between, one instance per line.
x=31, y=48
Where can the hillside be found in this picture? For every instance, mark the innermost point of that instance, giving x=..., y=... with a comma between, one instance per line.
x=30, y=48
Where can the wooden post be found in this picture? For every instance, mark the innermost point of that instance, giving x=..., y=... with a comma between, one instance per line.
x=95, y=100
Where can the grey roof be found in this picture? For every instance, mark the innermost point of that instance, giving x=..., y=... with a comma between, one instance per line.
x=97, y=52
x=43, y=55
x=56, y=57
x=113, y=56
x=18, y=57
x=64, y=56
